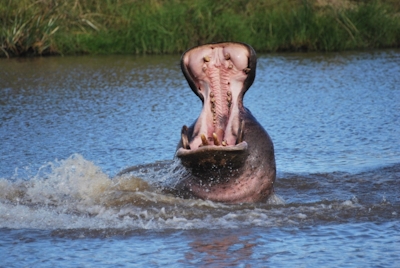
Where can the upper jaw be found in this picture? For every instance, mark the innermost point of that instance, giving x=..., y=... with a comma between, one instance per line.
x=219, y=74
x=241, y=56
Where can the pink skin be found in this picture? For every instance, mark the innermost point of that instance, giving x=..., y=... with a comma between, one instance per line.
x=226, y=155
x=218, y=76
x=247, y=189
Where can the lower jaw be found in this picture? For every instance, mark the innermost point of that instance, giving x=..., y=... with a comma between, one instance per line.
x=239, y=187
x=214, y=158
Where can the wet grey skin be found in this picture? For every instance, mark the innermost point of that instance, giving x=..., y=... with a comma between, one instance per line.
x=225, y=155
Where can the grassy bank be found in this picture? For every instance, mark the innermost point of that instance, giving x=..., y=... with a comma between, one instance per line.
x=43, y=27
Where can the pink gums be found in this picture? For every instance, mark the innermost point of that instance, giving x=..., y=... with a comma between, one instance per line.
x=218, y=72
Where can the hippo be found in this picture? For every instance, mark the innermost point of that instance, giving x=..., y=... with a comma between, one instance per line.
x=225, y=155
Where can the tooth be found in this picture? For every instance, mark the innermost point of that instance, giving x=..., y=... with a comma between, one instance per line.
x=230, y=66
x=246, y=70
x=184, y=137
x=227, y=56
x=216, y=141
x=239, y=138
x=211, y=94
x=206, y=58
x=224, y=143
x=212, y=100
x=204, y=68
x=204, y=139
x=229, y=98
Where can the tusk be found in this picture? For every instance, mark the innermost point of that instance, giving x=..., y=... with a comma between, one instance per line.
x=204, y=139
x=240, y=133
x=215, y=138
x=184, y=137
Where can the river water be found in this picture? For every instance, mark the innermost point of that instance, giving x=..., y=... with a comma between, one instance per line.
x=68, y=125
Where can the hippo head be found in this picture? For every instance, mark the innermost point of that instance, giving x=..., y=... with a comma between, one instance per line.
x=219, y=74
x=227, y=154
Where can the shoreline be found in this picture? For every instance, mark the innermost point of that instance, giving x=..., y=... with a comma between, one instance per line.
x=82, y=27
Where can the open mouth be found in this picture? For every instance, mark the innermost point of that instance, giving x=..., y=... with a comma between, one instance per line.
x=219, y=74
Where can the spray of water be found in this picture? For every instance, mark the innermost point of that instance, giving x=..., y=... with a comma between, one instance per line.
x=75, y=194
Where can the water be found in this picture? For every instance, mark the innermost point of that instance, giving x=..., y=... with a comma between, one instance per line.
x=68, y=125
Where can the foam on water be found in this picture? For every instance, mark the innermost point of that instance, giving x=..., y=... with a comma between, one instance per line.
x=75, y=194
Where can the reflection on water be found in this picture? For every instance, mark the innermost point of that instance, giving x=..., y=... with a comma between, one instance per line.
x=69, y=124
x=225, y=250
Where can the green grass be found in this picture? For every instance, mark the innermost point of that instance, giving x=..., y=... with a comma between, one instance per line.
x=46, y=27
